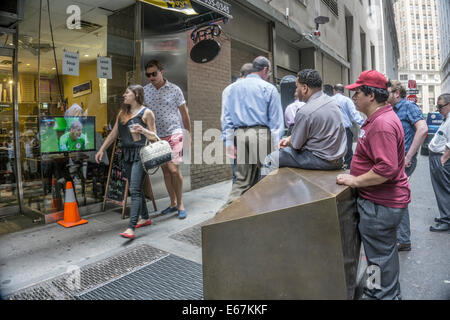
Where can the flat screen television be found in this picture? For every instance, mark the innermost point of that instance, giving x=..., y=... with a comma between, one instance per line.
x=67, y=134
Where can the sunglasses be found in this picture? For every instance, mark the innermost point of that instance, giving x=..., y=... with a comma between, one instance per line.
x=151, y=74
x=440, y=106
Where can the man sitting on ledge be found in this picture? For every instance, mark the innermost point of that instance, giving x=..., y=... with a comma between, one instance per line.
x=318, y=139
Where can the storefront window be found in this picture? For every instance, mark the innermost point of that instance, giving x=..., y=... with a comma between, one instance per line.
x=8, y=186
x=53, y=104
x=53, y=127
x=28, y=111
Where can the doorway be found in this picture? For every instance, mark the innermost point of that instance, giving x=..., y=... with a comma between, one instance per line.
x=9, y=200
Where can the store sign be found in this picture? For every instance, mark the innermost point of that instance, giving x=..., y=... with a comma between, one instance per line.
x=205, y=48
x=412, y=84
x=218, y=6
x=71, y=64
x=183, y=6
x=205, y=33
x=412, y=98
x=104, y=69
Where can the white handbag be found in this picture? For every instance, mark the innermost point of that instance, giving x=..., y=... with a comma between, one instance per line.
x=155, y=154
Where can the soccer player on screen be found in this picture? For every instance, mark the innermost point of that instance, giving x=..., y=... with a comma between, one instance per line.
x=73, y=140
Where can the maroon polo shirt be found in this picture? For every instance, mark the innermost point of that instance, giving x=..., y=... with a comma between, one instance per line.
x=381, y=147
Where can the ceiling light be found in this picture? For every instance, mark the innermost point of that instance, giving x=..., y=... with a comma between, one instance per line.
x=86, y=55
x=10, y=81
x=28, y=64
x=53, y=68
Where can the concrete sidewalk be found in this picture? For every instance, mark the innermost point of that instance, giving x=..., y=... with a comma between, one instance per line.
x=32, y=256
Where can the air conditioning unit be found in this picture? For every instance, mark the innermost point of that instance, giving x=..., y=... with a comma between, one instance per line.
x=11, y=11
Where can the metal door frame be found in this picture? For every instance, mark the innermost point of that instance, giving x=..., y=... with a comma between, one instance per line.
x=12, y=52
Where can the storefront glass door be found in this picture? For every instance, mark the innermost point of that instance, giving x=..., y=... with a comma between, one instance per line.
x=8, y=187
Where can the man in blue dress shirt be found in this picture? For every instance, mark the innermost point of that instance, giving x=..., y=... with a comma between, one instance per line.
x=416, y=130
x=252, y=124
x=246, y=69
x=349, y=115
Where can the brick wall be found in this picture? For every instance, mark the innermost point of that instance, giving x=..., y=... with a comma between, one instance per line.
x=205, y=85
x=240, y=56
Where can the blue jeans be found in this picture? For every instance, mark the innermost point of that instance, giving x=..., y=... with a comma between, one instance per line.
x=136, y=175
x=233, y=167
x=404, y=228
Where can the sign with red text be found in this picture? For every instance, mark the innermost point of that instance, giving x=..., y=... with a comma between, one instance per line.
x=412, y=98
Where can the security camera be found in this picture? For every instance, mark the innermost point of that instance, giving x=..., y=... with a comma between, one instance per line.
x=318, y=21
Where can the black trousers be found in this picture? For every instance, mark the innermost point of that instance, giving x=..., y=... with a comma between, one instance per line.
x=349, y=155
x=440, y=179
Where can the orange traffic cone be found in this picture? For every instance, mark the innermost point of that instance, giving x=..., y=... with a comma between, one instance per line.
x=56, y=202
x=71, y=213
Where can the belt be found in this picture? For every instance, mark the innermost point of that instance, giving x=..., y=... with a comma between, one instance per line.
x=248, y=127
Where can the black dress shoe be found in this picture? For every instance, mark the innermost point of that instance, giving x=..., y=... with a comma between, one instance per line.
x=440, y=227
x=404, y=247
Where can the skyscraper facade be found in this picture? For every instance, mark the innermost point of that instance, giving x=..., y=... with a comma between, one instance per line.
x=444, y=22
x=417, y=25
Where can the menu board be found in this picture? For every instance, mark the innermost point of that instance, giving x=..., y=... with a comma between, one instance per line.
x=117, y=184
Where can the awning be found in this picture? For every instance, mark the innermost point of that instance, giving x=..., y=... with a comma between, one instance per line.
x=168, y=16
x=185, y=6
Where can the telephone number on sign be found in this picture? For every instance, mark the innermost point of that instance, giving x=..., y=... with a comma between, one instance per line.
x=219, y=5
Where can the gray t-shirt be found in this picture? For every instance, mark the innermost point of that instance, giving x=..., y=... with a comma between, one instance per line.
x=319, y=128
x=164, y=102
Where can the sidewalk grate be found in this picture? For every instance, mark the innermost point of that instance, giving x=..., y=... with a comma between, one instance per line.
x=192, y=235
x=171, y=278
x=70, y=285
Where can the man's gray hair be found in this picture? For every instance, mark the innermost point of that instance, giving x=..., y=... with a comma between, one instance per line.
x=260, y=63
x=246, y=69
x=76, y=123
x=339, y=87
x=445, y=97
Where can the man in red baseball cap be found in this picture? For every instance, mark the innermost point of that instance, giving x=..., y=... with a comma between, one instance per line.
x=378, y=172
x=370, y=78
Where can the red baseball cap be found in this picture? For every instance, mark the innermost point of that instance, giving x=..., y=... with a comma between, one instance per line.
x=371, y=78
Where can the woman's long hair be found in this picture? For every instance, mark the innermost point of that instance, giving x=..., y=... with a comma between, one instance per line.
x=138, y=91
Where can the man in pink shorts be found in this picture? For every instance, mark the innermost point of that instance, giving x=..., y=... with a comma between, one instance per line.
x=166, y=99
x=176, y=143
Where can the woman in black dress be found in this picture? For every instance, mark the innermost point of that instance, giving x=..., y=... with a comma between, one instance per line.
x=135, y=123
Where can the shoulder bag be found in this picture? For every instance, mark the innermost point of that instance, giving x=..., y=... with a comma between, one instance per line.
x=155, y=154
